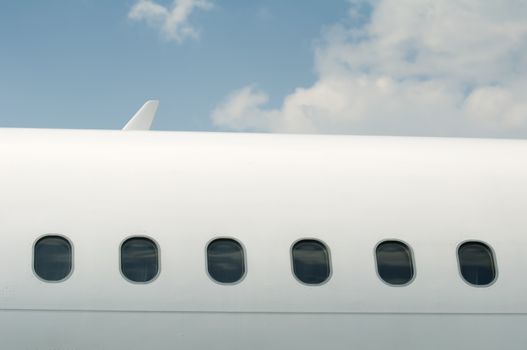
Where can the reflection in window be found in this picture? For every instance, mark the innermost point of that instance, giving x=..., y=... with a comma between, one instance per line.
x=52, y=258
x=139, y=259
x=394, y=262
x=225, y=260
x=476, y=263
x=311, y=261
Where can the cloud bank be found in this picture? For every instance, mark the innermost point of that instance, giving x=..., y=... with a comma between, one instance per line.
x=171, y=21
x=405, y=67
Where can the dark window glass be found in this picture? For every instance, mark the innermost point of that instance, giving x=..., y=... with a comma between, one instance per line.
x=225, y=260
x=394, y=262
x=311, y=261
x=52, y=258
x=476, y=263
x=139, y=259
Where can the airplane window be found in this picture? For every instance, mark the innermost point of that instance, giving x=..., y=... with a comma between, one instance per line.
x=139, y=259
x=311, y=261
x=476, y=263
x=52, y=258
x=225, y=260
x=394, y=262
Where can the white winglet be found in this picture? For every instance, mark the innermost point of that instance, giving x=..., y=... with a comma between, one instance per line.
x=143, y=118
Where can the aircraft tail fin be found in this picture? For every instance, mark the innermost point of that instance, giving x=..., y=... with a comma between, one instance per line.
x=143, y=118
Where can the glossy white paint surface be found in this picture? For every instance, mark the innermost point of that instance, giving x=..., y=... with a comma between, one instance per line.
x=183, y=189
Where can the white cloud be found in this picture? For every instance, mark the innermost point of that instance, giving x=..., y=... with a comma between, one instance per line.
x=171, y=21
x=450, y=67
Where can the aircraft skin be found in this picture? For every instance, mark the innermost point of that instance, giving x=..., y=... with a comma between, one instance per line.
x=183, y=189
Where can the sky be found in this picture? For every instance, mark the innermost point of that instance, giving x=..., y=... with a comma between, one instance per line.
x=377, y=67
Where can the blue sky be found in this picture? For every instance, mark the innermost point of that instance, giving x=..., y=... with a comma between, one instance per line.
x=386, y=67
x=85, y=64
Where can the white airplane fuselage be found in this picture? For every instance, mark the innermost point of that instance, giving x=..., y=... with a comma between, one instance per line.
x=182, y=190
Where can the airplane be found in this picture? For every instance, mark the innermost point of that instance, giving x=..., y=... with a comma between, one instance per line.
x=140, y=239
